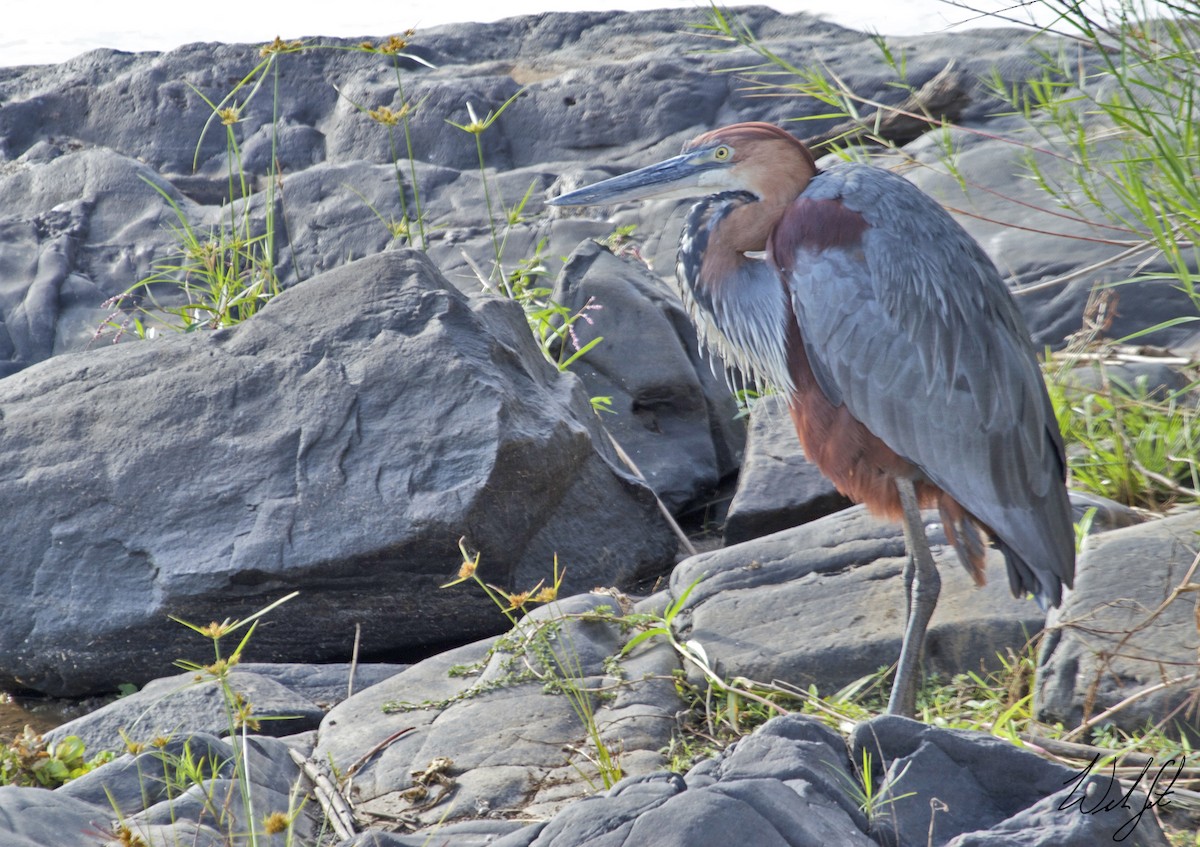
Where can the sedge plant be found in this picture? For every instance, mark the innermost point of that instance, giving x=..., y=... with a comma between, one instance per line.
x=476, y=127
x=239, y=713
x=560, y=668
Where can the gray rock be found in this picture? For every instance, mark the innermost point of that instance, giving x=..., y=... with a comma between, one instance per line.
x=673, y=416
x=602, y=92
x=792, y=783
x=1137, y=379
x=338, y=443
x=189, y=703
x=1105, y=642
x=824, y=604
x=35, y=817
x=988, y=792
x=1045, y=245
x=167, y=802
x=1106, y=514
x=132, y=783
x=482, y=833
x=512, y=738
x=787, y=784
x=777, y=488
x=325, y=685
x=345, y=438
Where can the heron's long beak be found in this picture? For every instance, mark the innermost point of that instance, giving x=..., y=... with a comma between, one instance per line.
x=676, y=177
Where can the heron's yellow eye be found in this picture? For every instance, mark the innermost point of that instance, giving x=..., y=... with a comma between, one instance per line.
x=721, y=153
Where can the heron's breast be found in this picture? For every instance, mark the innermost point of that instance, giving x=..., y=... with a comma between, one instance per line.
x=852, y=457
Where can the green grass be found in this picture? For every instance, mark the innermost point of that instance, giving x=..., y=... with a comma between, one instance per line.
x=223, y=277
x=1129, y=443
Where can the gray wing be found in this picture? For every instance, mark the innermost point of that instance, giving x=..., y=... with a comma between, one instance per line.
x=910, y=326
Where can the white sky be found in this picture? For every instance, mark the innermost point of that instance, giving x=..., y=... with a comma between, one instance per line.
x=33, y=32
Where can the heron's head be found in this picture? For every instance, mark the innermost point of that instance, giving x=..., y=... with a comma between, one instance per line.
x=758, y=158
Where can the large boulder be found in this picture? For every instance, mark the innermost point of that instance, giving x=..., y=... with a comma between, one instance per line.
x=674, y=416
x=338, y=444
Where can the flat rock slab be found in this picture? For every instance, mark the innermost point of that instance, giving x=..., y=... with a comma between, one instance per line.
x=506, y=729
x=190, y=703
x=338, y=444
x=1107, y=642
x=824, y=604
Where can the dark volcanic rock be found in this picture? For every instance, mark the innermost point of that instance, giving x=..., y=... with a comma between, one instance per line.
x=339, y=443
x=675, y=417
x=793, y=784
x=342, y=441
x=600, y=92
x=788, y=785
x=970, y=789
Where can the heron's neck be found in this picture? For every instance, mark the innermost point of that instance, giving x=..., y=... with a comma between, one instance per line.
x=720, y=231
x=735, y=300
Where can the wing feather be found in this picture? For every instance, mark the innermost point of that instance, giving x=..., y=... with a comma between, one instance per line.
x=911, y=327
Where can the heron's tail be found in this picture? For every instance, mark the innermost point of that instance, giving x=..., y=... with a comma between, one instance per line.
x=965, y=534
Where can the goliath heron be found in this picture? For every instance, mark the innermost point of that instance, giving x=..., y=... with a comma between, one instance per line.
x=908, y=370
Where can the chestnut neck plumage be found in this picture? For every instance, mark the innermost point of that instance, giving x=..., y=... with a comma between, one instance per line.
x=735, y=298
x=736, y=301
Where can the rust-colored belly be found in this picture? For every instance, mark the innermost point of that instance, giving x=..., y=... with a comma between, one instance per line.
x=864, y=468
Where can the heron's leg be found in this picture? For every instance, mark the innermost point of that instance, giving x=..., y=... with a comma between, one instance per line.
x=923, y=586
x=909, y=569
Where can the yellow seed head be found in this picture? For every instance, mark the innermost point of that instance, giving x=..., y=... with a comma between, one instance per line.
x=518, y=600
x=393, y=45
x=546, y=595
x=280, y=46
x=275, y=823
x=384, y=115
x=468, y=568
